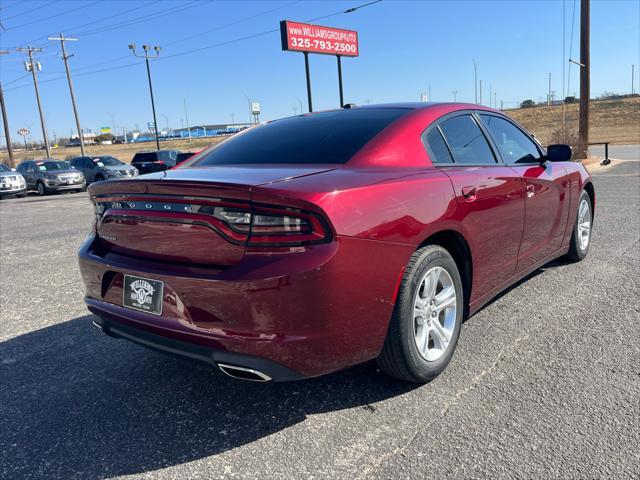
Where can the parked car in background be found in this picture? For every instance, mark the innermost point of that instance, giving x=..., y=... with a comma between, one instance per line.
x=11, y=182
x=103, y=167
x=48, y=176
x=148, y=162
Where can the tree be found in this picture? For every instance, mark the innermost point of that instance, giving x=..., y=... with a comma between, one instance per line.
x=104, y=137
x=527, y=103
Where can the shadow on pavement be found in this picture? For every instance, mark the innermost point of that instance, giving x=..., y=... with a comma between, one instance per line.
x=78, y=404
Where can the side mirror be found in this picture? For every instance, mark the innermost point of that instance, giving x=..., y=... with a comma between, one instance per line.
x=559, y=153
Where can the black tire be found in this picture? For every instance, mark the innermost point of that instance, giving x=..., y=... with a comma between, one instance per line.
x=42, y=190
x=576, y=250
x=400, y=357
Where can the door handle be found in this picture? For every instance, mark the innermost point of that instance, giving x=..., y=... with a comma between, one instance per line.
x=530, y=191
x=469, y=193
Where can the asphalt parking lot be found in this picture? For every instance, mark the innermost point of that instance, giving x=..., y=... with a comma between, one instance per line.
x=545, y=381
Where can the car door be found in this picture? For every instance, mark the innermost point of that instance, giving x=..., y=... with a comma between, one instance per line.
x=29, y=174
x=546, y=186
x=489, y=195
x=89, y=169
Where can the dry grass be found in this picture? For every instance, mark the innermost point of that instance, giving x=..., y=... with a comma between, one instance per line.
x=615, y=121
x=124, y=152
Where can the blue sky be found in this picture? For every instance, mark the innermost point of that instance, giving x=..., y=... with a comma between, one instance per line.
x=405, y=47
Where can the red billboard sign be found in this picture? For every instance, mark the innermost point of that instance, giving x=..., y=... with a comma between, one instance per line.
x=304, y=37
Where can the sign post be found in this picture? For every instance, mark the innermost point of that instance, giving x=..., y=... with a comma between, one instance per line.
x=23, y=132
x=307, y=38
x=255, y=110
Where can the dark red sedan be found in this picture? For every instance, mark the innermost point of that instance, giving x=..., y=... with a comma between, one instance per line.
x=320, y=241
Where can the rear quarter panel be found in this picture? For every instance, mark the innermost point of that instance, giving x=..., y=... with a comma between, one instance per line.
x=383, y=204
x=578, y=177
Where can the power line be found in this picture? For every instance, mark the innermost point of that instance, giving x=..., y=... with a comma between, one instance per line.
x=220, y=27
x=119, y=14
x=26, y=11
x=195, y=50
x=56, y=15
x=190, y=37
x=136, y=20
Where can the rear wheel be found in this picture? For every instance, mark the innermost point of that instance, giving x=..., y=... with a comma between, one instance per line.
x=42, y=190
x=581, y=237
x=425, y=326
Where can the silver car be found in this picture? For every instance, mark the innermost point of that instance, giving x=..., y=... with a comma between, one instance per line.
x=48, y=176
x=11, y=182
x=103, y=167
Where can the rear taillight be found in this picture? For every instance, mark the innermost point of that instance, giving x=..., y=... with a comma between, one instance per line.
x=256, y=226
x=271, y=226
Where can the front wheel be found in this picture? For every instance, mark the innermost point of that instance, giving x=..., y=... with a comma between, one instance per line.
x=42, y=190
x=425, y=326
x=581, y=236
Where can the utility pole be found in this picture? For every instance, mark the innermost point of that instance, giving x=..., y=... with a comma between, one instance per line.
x=455, y=94
x=480, y=92
x=146, y=57
x=583, y=130
x=186, y=115
x=549, y=92
x=66, y=57
x=5, y=122
x=475, y=81
x=31, y=66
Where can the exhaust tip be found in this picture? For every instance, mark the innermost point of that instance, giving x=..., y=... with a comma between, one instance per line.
x=97, y=325
x=243, y=373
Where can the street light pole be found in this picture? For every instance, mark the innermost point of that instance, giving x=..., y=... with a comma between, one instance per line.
x=186, y=115
x=30, y=66
x=65, y=58
x=146, y=49
x=475, y=81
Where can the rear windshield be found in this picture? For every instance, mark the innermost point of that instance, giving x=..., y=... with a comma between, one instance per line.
x=325, y=137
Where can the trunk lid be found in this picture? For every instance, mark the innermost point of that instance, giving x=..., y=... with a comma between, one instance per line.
x=171, y=216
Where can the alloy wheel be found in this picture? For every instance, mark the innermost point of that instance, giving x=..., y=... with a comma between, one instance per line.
x=434, y=313
x=584, y=224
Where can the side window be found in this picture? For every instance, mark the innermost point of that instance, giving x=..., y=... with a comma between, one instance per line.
x=514, y=146
x=466, y=140
x=436, y=147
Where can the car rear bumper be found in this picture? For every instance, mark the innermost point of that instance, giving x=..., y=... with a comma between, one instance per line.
x=290, y=315
x=116, y=326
